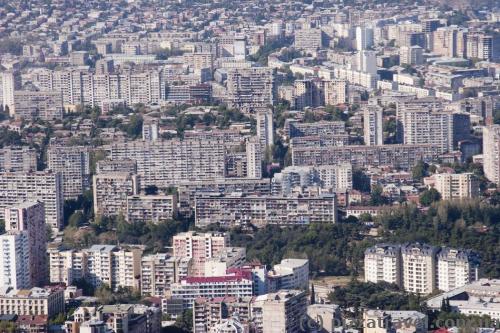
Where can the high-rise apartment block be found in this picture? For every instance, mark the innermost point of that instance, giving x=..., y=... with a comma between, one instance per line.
x=456, y=186
x=249, y=88
x=99, y=265
x=73, y=162
x=29, y=217
x=18, y=159
x=15, y=260
x=199, y=247
x=167, y=162
x=159, y=271
x=456, y=268
x=309, y=39
x=265, y=128
x=260, y=211
x=364, y=38
x=420, y=268
x=43, y=186
x=491, y=153
x=32, y=302
x=111, y=191
x=383, y=263
x=151, y=208
x=373, y=120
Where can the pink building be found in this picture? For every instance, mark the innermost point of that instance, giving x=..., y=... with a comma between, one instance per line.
x=199, y=247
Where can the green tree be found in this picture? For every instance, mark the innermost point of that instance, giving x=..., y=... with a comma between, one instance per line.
x=360, y=181
x=429, y=196
x=185, y=321
x=76, y=219
x=419, y=171
x=377, y=198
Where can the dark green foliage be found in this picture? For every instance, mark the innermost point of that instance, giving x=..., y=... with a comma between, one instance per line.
x=465, y=224
x=331, y=249
x=429, y=196
x=377, y=198
x=360, y=181
x=374, y=296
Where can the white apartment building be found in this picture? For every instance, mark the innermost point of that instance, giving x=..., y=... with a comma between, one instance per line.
x=254, y=158
x=29, y=105
x=113, y=266
x=111, y=191
x=29, y=217
x=66, y=266
x=237, y=284
x=31, y=302
x=423, y=126
x=83, y=87
x=159, y=271
x=383, y=263
x=265, y=128
x=42, y=186
x=151, y=208
x=456, y=186
x=289, y=274
x=456, y=268
x=491, y=153
x=373, y=120
x=199, y=247
x=419, y=268
x=73, y=162
x=15, y=260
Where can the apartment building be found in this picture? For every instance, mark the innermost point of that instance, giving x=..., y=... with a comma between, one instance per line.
x=336, y=92
x=34, y=302
x=15, y=260
x=265, y=128
x=199, y=247
x=491, y=153
x=238, y=283
x=113, y=266
x=160, y=270
x=456, y=268
x=111, y=192
x=73, y=162
x=167, y=162
x=383, y=263
x=45, y=105
x=66, y=266
x=208, y=312
x=328, y=177
x=398, y=156
x=419, y=268
x=29, y=217
x=43, y=186
x=79, y=86
x=151, y=208
x=456, y=186
x=116, y=165
x=242, y=210
x=295, y=129
x=249, y=88
x=373, y=120
x=280, y=312
x=422, y=126
x=225, y=260
x=254, y=158
x=310, y=39
x=289, y=274
x=18, y=159
x=187, y=191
